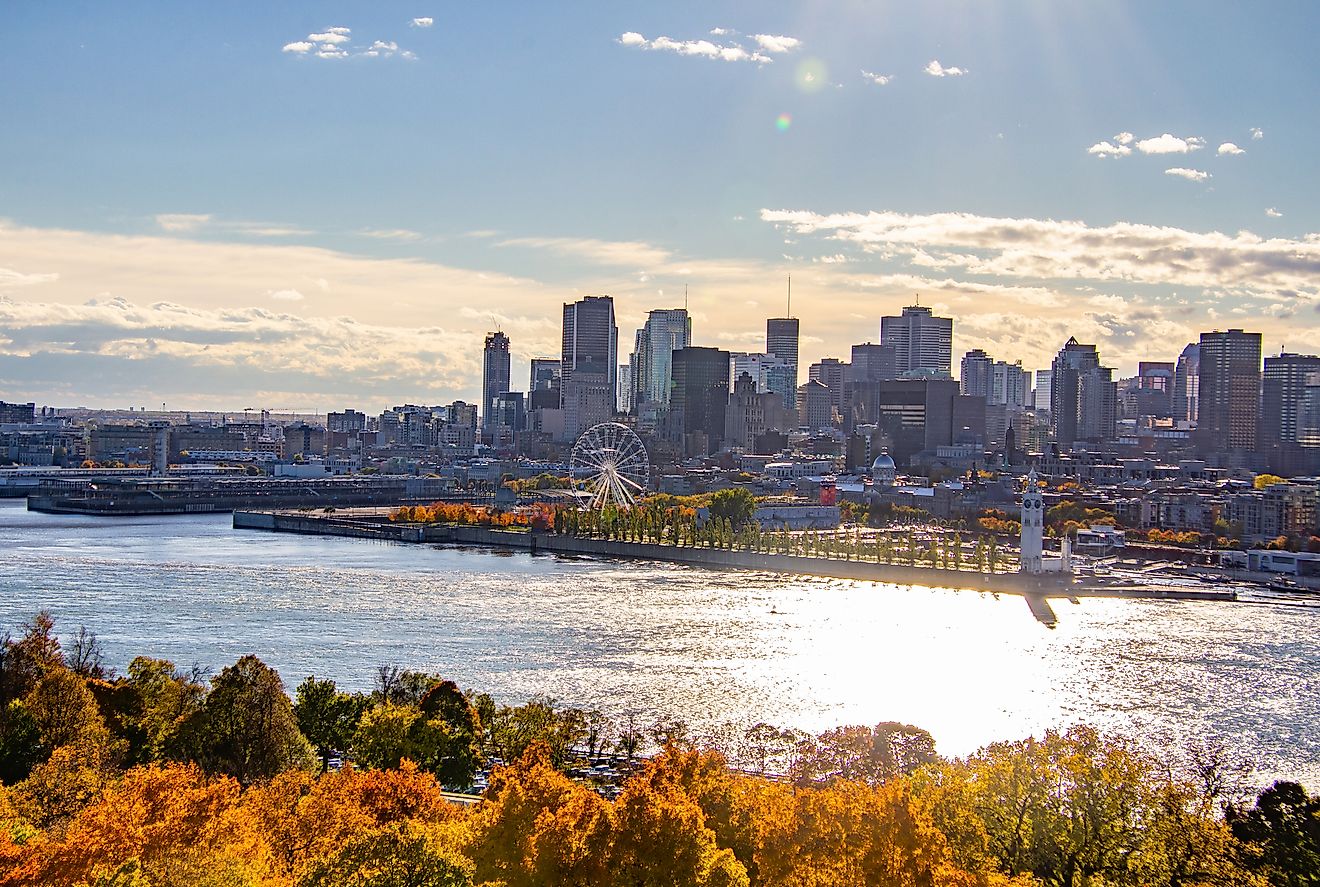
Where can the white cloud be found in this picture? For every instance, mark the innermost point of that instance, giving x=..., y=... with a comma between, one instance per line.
x=1273, y=213
x=9, y=277
x=602, y=252
x=1257, y=133
x=776, y=43
x=182, y=221
x=1124, y=138
x=1191, y=175
x=935, y=69
x=390, y=234
x=423, y=22
x=287, y=296
x=878, y=79
x=1041, y=249
x=1170, y=144
x=720, y=32
x=335, y=43
x=1230, y=148
x=332, y=36
x=727, y=52
x=1109, y=149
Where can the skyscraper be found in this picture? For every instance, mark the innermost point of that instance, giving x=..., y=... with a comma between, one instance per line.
x=699, y=398
x=1083, y=396
x=781, y=340
x=588, y=365
x=1229, y=395
x=494, y=376
x=1283, y=398
x=666, y=331
x=545, y=373
x=1187, y=384
x=976, y=373
x=923, y=343
x=1009, y=386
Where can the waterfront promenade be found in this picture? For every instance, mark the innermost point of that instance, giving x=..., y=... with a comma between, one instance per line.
x=375, y=524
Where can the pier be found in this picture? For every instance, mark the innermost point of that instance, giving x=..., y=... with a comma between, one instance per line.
x=375, y=524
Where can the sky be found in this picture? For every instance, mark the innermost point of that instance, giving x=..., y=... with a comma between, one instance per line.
x=311, y=206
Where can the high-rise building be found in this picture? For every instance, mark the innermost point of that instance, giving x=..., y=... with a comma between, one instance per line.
x=1010, y=386
x=1283, y=394
x=545, y=373
x=923, y=343
x=588, y=365
x=494, y=376
x=17, y=413
x=1187, y=384
x=1155, y=383
x=1083, y=396
x=1229, y=402
x=814, y=406
x=781, y=340
x=699, y=398
x=752, y=412
x=666, y=331
x=873, y=363
x=1044, y=391
x=975, y=373
x=626, y=392
x=832, y=373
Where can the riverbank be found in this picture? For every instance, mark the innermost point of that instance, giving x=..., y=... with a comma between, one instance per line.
x=375, y=524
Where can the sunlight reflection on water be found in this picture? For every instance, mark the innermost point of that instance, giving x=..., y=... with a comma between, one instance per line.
x=709, y=647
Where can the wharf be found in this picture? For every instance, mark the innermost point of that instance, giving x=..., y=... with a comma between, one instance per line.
x=374, y=524
x=125, y=497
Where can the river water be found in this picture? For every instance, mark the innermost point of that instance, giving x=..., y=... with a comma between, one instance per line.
x=708, y=647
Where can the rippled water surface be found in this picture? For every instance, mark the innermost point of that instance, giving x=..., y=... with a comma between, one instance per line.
x=710, y=647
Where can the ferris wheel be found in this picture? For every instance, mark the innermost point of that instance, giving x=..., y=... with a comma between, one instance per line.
x=610, y=463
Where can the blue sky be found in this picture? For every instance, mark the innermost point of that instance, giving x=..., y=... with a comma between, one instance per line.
x=202, y=204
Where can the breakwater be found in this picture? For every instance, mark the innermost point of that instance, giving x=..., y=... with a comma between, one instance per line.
x=377, y=526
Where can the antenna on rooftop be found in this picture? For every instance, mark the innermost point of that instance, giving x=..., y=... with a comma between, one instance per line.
x=685, y=297
x=790, y=296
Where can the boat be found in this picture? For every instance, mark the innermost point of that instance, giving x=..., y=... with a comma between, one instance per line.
x=1285, y=584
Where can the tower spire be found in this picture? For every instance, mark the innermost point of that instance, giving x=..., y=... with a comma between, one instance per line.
x=790, y=296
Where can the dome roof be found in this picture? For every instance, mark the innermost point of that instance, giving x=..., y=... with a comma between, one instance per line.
x=883, y=462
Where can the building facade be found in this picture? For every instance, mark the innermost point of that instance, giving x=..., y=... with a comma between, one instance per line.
x=495, y=376
x=588, y=364
x=923, y=343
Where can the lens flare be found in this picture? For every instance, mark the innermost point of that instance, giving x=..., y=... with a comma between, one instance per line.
x=812, y=75
x=783, y=122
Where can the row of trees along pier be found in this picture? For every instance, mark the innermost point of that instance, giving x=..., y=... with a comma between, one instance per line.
x=161, y=778
x=728, y=524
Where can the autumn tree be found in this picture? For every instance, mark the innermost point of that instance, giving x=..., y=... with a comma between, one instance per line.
x=246, y=728
x=866, y=754
x=401, y=855
x=537, y=827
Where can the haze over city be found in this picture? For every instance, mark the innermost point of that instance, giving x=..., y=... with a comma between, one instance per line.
x=299, y=208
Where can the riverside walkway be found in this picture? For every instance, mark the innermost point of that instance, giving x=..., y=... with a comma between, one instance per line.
x=375, y=524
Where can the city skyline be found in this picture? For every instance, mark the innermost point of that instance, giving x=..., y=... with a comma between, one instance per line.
x=246, y=216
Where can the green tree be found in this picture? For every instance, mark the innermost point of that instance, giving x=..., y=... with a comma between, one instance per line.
x=735, y=505
x=246, y=728
x=1281, y=834
x=327, y=716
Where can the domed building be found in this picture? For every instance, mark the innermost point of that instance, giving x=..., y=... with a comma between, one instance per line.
x=883, y=471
